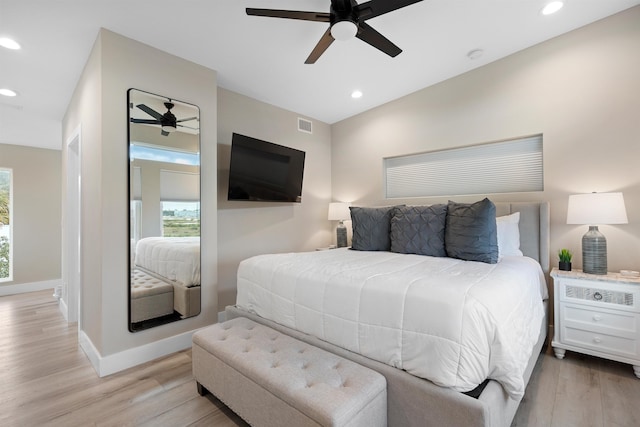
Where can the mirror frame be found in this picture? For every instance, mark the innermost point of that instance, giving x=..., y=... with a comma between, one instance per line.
x=189, y=294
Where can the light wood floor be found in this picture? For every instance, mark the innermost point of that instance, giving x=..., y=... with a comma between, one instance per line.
x=46, y=380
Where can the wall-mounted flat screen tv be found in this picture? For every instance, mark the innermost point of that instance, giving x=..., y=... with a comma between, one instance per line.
x=265, y=172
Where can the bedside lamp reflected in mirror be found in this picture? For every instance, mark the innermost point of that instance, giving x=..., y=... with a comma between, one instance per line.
x=594, y=209
x=340, y=212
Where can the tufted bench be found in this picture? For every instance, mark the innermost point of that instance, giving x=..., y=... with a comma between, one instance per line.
x=271, y=379
x=150, y=297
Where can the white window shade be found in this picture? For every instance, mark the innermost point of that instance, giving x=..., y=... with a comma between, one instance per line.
x=179, y=186
x=500, y=167
x=136, y=184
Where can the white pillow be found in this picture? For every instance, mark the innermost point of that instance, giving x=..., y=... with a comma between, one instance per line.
x=508, y=235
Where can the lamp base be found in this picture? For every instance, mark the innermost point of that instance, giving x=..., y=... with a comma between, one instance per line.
x=594, y=251
x=341, y=235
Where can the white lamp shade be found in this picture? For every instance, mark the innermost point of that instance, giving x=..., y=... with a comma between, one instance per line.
x=339, y=211
x=596, y=208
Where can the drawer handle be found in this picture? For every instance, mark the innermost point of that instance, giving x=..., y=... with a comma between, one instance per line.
x=597, y=318
x=597, y=340
x=597, y=296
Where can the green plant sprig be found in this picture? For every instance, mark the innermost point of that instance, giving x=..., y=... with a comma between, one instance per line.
x=564, y=255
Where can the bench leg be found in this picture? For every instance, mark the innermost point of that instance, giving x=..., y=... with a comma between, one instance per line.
x=202, y=390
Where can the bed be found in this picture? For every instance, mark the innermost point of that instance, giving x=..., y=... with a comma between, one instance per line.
x=176, y=261
x=340, y=300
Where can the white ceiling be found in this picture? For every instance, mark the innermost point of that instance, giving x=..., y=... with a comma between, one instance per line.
x=264, y=57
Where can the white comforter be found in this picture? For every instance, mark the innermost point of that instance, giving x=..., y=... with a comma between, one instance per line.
x=174, y=258
x=450, y=321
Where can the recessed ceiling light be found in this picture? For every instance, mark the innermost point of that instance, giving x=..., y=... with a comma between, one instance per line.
x=9, y=43
x=552, y=7
x=7, y=92
x=356, y=94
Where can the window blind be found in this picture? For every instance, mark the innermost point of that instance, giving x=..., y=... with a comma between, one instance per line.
x=179, y=186
x=509, y=166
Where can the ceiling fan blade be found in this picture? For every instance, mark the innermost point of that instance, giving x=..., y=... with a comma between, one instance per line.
x=187, y=127
x=290, y=14
x=374, y=8
x=368, y=35
x=187, y=119
x=145, y=121
x=323, y=44
x=150, y=111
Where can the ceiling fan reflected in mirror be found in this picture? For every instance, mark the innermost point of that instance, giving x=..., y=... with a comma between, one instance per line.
x=346, y=19
x=167, y=121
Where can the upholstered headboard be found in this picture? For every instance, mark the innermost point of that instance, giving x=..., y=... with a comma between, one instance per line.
x=534, y=228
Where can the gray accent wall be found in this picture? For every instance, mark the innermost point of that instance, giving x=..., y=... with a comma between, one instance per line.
x=580, y=90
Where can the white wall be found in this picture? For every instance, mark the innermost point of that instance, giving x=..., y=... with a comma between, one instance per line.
x=581, y=90
x=251, y=228
x=99, y=106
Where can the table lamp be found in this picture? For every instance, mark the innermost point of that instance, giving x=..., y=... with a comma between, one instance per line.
x=593, y=209
x=340, y=212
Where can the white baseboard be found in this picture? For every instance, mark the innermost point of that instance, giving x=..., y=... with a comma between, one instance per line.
x=62, y=306
x=29, y=287
x=107, y=365
x=90, y=350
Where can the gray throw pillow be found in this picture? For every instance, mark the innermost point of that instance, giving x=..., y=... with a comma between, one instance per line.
x=371, y=228
x=419, y=230
x=471, y=232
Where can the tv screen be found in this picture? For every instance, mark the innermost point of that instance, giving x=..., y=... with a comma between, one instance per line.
x=263, y=171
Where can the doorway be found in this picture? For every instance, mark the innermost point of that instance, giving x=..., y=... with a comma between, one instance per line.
x=71, y=269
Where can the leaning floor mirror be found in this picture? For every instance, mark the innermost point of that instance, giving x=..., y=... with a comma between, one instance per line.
x=164, y=210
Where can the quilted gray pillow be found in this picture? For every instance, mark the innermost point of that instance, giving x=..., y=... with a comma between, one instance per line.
x=419, y=230
x=371, y=228
x=471, y=232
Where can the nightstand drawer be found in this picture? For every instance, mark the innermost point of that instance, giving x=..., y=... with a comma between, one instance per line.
x=600, y=342
x=599, y=294
x=609, y=322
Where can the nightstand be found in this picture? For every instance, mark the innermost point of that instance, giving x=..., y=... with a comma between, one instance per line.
x=597, y=315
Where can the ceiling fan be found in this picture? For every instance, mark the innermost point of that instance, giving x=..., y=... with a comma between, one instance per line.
x=346, y=19
x=167, y=121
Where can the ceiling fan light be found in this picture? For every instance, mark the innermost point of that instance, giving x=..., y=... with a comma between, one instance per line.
x=344, y=30
x=168, y=128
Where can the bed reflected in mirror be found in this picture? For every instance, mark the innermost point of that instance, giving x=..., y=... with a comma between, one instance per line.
x=164, y=210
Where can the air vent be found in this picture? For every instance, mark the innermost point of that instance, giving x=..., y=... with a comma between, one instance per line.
x=304, y=125
x=600, y=295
